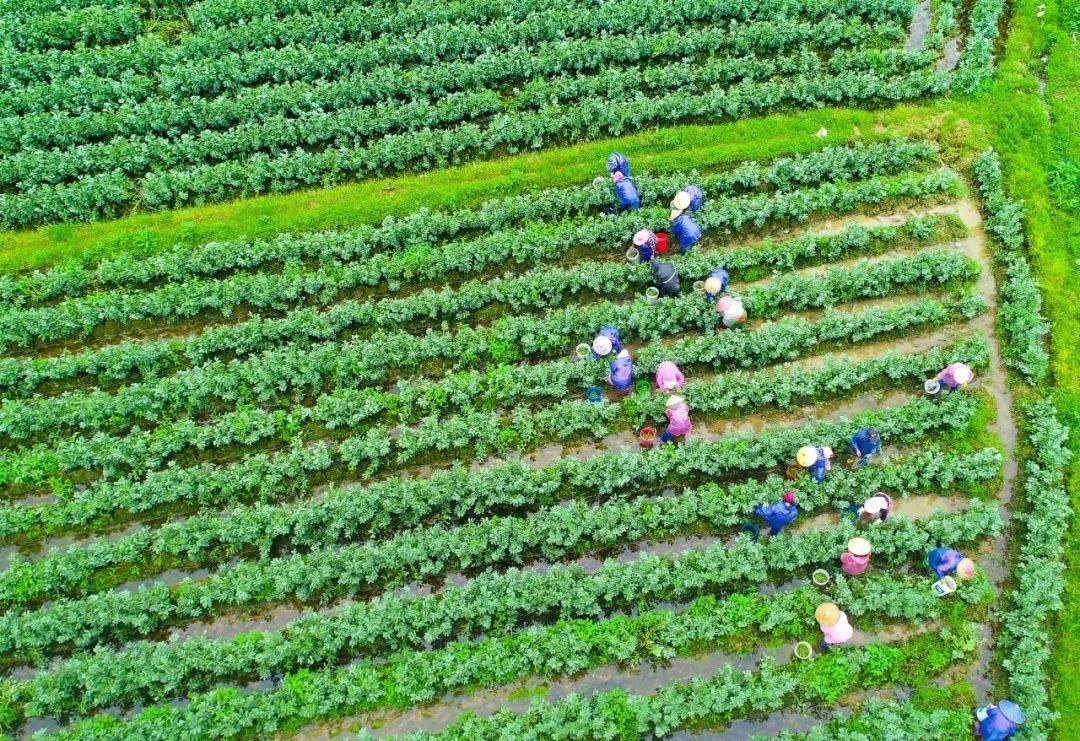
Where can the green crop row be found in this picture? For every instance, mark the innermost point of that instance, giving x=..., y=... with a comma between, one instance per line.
x=504, y=387
x=1020, y=311
x=425, y=228
x=277, y=291
x=324, y=574
x=345, y=515
x=384, y=355
x=492, y=604
x=877, y=718
x=100, y=195
x=93, y=25
x=789, y=615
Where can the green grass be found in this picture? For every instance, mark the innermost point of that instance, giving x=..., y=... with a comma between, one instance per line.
x=1035, y=130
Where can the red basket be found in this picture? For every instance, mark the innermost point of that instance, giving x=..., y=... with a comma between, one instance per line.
x=647, y=436
x=661, y=242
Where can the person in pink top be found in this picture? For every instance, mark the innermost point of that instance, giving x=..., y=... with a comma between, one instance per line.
x=955, y=376
x=678, y=414
x=834, y=625
x=669, y=377
x=857, y=557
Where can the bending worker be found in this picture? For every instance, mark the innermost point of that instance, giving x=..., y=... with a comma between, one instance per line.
x=665, y=279
x=625, y=192
x=835, y=628
x=669, y=377
x=716, y=283
x=856, y=559
x=998, y=722
x=865, y=443
x=732, y=312
x=621, y=376
x=955, y=376
x=816, y=461
x=946, y=561
x=778, y=514
x=682, y=223
x=678, y=413
x=876, y=508
x=645, y=241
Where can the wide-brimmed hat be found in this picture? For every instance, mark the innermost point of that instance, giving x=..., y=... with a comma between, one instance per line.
x=724, y=303
x=1012, y=711
x=807, y=456
x=858, y=547
x=674, y=400
x=965, y=569
x=827, y=614
x=642, y=237
x=679, y=203
x=601, y=345
x=875, y=504
x=962, y=374
x=713, y=284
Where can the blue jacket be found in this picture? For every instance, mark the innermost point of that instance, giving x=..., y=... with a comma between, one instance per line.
x=943, y=561
x=996, y=727
x=612, y=334
x=622, y=374
x=820, y=466
x=724, y=279
x=862, y=445
x=627, y=194
x=617, y=163
x=777, y=515
x=687, y=230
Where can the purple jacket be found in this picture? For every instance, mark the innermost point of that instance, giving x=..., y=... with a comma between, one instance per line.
x=627, y=194
x=777, y=515
x=943, y=561
x=622, y=374
x=996, y=727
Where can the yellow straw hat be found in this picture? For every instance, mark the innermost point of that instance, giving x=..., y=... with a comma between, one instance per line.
x=712, y=285
x=807, y=456
x=859, y=547
x=827, y=614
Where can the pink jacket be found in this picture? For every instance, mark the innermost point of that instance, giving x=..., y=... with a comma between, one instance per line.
x=839, y=633
x=852, y=564
x=667, y=372
x=679, y=420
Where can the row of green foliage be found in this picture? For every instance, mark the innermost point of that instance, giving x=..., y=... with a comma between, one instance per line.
x=505, y=387
x=1020, y=313
x=427, y=228
x=281, y=290
x=727, y=695
x=324, y=574
x=567, y=647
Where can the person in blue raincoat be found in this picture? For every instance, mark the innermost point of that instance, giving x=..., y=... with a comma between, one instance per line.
x=617, y=163
x=612, y=334
x=716, y=283
x=998, y=722
x=682, y=223
x=625, y=192
x=866, y=443
x=621, y=375
x=778, y=514
x=945, y=561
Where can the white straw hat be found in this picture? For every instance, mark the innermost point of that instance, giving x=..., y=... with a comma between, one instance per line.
x=601, y=345
x=643, y=237
x=859, y=547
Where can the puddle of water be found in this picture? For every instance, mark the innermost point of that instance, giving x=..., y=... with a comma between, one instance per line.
x=950, y=55
x=920, y=27
x=917, y=507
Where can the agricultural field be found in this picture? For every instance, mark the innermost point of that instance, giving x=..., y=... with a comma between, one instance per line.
x=338, y=463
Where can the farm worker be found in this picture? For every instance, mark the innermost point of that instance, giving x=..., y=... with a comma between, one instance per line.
x=716, y=283
x=617, y=163
x=816, y=461
x=998, y=722
x=856, y=559
x=778, y=514
x=625, y=192
x=645, y=241
x=669, y=377
x=678, y=413
x=945, y=561
x=666, y=279
x=876, y=508
x=613, y=336
x=835, y=628
x=866, y=443
x=621, y=376
x=955, y=376
x=682, y=223
x=601, y=347
x=731, y=312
